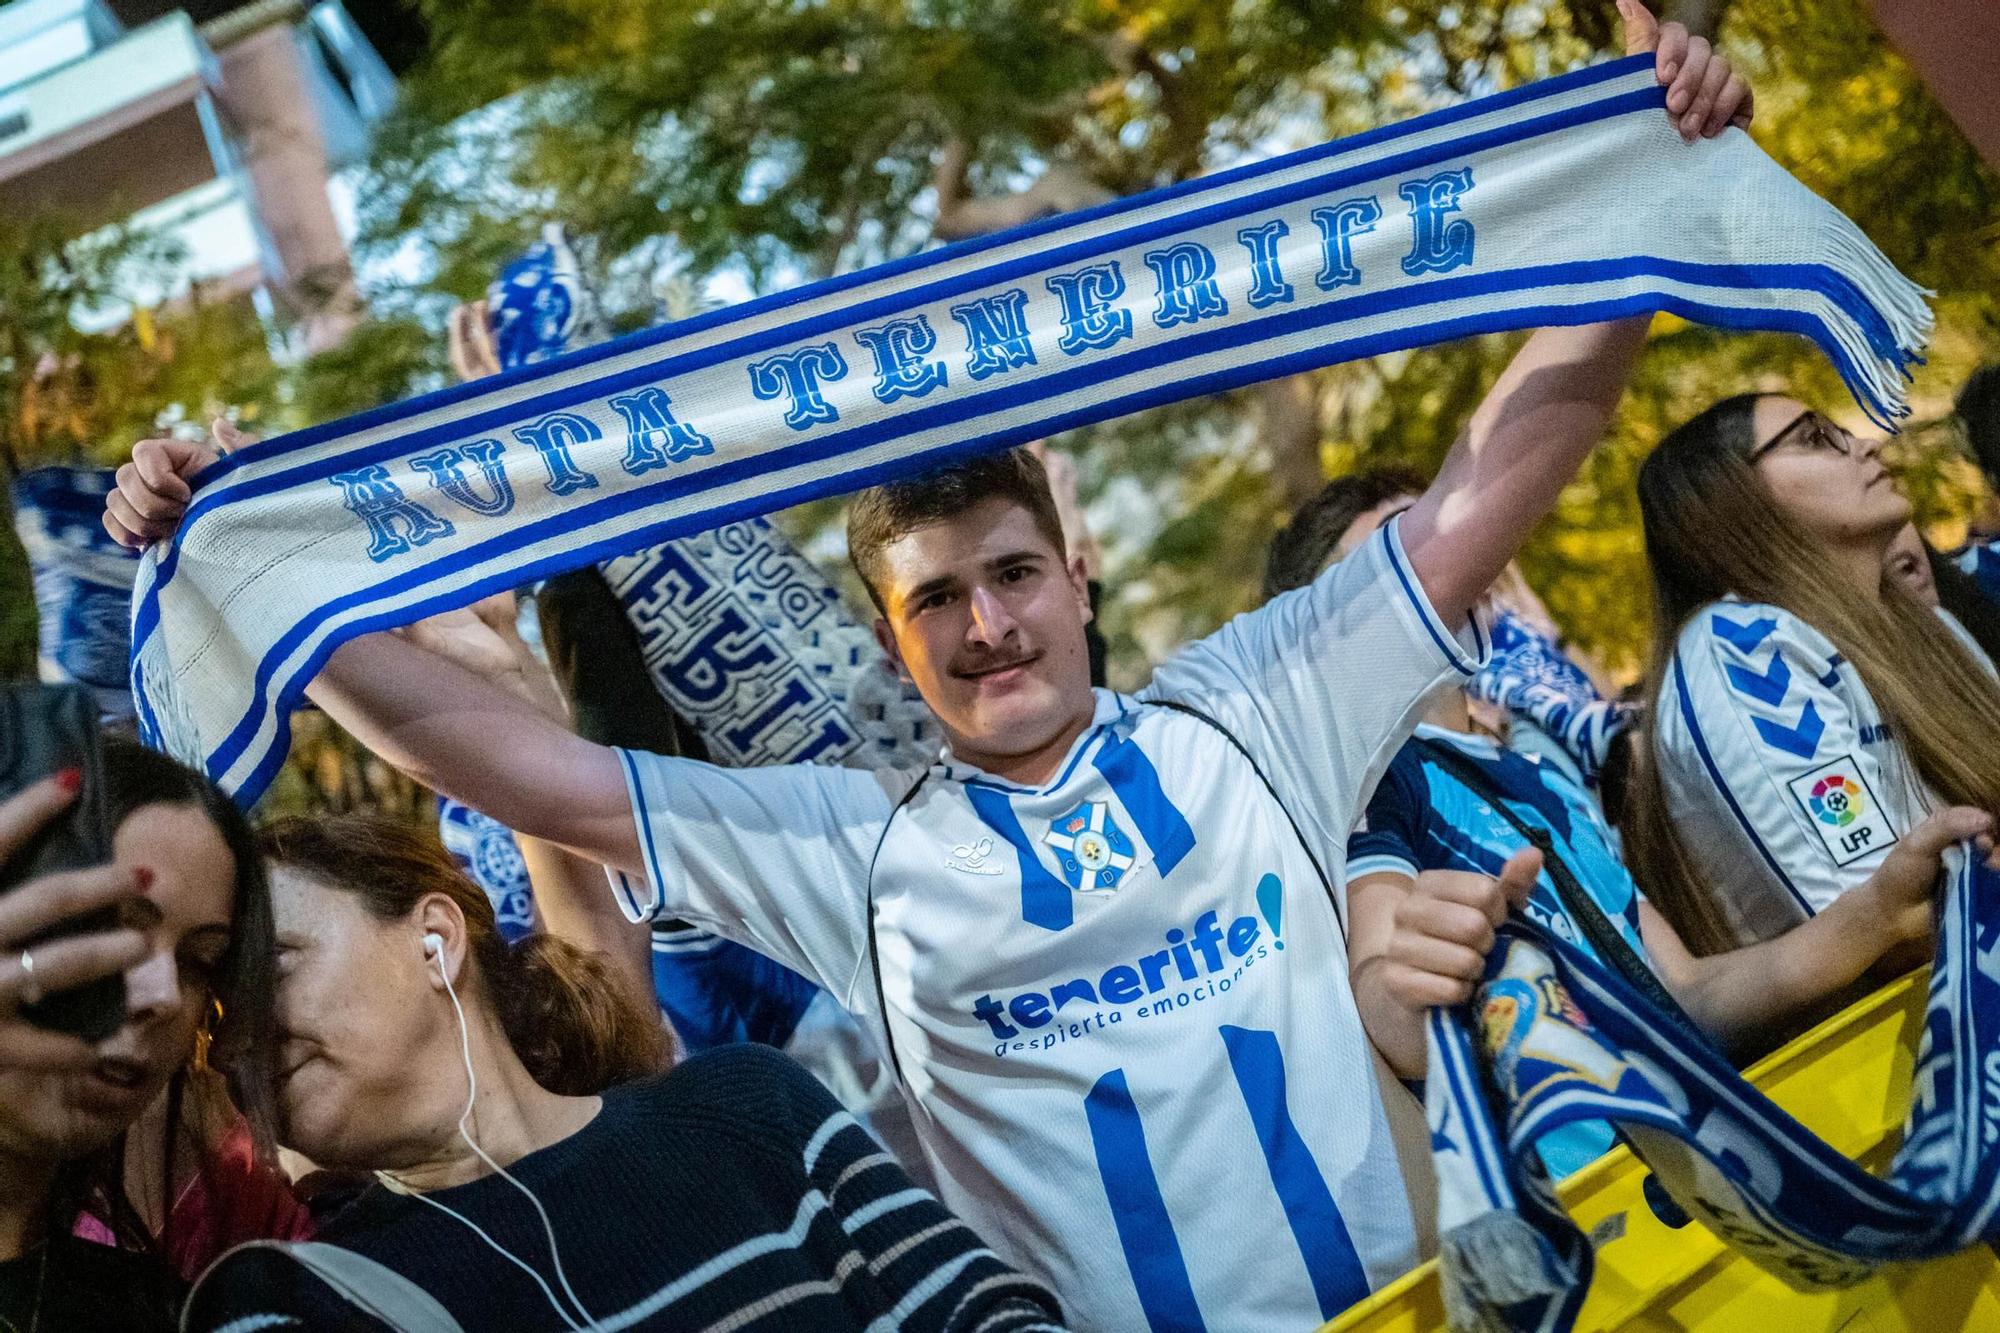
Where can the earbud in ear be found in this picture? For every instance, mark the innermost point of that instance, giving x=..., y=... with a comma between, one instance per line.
x=433, y=944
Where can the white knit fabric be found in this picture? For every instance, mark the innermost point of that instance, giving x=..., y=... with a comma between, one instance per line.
x=1568, y=201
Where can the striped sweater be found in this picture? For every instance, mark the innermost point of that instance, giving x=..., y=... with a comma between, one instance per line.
x=731, y=1194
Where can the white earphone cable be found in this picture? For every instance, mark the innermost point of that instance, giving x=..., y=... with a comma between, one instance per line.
x=548, y=1227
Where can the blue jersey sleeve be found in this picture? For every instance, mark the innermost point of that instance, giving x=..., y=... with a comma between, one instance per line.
x=1783, y=782
x=1391, y=831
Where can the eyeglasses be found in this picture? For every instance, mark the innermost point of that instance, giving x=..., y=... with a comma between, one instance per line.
x=1809, y=430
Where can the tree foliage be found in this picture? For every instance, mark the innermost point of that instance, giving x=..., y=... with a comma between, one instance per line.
x=79, y=393
x=757, y=144
x=777, y=142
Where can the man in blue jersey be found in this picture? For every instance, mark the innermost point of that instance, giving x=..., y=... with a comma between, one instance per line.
x=1531, y=684
x=1102, y=939
x=1447, y=847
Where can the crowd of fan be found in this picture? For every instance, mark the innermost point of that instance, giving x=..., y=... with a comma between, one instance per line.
x=1673, y=810
x=329, y=1037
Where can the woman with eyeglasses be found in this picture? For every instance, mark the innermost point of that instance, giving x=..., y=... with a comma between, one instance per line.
x=1808, y=711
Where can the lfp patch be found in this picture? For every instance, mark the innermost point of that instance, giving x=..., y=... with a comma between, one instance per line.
x=1092, y=850
x=1844, y=811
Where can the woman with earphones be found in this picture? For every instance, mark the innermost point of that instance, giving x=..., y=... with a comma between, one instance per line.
x=534, y=1169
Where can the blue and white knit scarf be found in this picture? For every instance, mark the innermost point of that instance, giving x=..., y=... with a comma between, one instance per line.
x=1568, y=201
x=1552, y=1038
x=83, y=581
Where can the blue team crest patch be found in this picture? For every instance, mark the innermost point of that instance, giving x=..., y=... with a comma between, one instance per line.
x=1092, y=851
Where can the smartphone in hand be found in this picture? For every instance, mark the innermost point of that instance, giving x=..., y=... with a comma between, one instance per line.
x=45, y=729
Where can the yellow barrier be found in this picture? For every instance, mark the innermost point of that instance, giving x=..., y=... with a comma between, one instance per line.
x=1848, y=1080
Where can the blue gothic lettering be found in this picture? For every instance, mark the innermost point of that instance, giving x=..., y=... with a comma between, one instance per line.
x=797, y=376
x=1188, y=292
x=442, y=467
x=1092, y=318
x=996, y=333
x=901, y=347
x=1338, y=226
x=1439, y=243
x=732, y=648
x=653, y=438
x=1267, y=281
x=552, y=437
x=379, y=502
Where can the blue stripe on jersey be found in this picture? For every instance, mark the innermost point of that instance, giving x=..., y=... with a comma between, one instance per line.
x=1743, y=638
x=1728, y=796
x=1145, y=1232
x=1452, y=652
x=1045, y=900
x=1132, y=775
x=1766, y=687
x=1335, y=1269
x=1802, y=740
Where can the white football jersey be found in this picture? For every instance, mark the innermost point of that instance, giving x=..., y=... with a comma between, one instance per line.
x=1119, y=1002
x=1784, y=785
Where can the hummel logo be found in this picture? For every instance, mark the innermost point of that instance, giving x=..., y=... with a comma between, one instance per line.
x=972, y=860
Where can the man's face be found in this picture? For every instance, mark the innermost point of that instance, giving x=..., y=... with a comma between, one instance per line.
x=983, y=614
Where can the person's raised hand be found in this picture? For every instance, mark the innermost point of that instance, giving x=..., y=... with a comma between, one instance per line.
x=30, y=970
x=1444, y=930
x=1705, y=95
x=470, y=340
x=485, y=639
x=155, y=488
x=1907, y=878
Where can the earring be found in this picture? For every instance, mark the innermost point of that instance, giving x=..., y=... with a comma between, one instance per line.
x=204, y=1036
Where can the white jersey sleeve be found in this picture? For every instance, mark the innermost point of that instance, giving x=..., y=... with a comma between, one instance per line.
x=1783, y=784
x=775, y=858
x=1323, y=684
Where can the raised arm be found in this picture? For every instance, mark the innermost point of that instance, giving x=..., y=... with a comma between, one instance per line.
x=481, y=744
x=1747, y=996
x=1541, y=419
x=1552, y=403
x=472, y=739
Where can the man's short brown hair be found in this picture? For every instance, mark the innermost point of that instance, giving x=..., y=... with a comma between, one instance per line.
x=1305, y=544
x=884, y=514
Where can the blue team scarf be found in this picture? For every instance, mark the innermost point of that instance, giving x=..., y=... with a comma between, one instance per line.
x=1568, y=201
x=486, y=851
x=1552, y=1039
x=83, y=581
x=744, y=637
x=539, y=305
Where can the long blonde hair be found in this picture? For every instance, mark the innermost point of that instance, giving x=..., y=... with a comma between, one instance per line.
x=1713, y=528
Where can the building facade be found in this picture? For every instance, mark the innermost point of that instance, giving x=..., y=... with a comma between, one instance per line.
x=225, y=136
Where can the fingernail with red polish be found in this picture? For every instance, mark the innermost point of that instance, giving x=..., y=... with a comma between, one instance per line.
x=70, y=780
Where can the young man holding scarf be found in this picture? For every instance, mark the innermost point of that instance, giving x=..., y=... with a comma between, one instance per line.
x=1102, y=938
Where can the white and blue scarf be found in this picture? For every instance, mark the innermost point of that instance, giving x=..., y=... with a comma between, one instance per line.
x=1566, y=202
x=741, y=634
x=83, y=581
x=1552, y=1038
